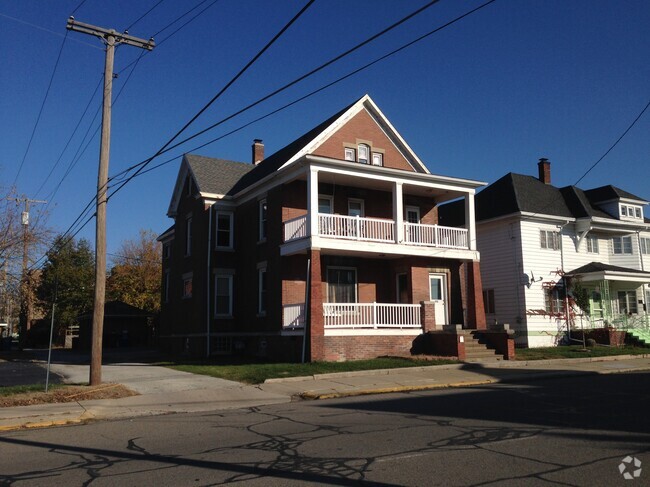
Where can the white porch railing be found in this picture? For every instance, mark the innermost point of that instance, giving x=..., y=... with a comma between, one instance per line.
x=293, y=316
x=377, y=230
x=356, y=228
x=435, y=236
x=295, y=228
x=371, y=315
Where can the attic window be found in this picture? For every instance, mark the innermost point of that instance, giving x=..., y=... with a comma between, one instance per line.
x=377, y=159
x=363, y=152
x=631, y=211
x=350, y=154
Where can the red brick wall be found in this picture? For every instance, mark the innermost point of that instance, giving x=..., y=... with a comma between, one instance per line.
x=362, y=128
x=339, y=348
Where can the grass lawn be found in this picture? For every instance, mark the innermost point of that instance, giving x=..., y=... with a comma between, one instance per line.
x=575, y=351
x=258, y=373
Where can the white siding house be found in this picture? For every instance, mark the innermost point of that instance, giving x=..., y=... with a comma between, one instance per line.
x=533, y=238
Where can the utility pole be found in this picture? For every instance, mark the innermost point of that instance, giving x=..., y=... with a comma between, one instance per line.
x=25, y=322
x=110, y=37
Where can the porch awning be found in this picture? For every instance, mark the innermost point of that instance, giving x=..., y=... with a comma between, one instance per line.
x=597, y=271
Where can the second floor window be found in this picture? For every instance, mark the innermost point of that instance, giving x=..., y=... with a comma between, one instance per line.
x=224, y=230
x=549, y=239
x=261, y=299
x=622, y=245
x=262, y=218
x=223, y=295
x=645, y=245
x=592, y=245
x=187, y=287
x=188, y=236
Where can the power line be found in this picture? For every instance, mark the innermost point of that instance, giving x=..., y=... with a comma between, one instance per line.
x=614, y=144
x=40, y=112
x=338, y=80
x=228, y=85
x=77, y=7
x=143, y=15
x=46, y=30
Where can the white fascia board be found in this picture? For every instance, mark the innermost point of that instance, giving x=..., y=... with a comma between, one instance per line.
x=617, y=226
x=526, y=215
x=168, y=235
x=379, y=118
x=631, y=201
x=263, y=185
x=379, y=114
x=393, y=175
x=639, y=278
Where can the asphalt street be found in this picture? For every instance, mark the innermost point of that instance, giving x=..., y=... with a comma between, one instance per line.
x=571, y=431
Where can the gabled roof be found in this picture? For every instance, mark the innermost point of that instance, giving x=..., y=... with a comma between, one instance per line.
x=219, y=177
x=609, y=192
x=211, y=176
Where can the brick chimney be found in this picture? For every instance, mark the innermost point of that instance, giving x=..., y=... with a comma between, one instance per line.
x=544, y=168
x=258, y=151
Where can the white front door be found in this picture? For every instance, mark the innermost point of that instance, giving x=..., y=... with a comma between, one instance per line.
x=438, y=295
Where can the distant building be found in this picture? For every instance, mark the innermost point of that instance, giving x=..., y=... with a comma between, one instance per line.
x=530, y=234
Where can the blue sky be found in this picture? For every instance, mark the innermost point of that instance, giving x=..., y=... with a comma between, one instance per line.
x=491, y=94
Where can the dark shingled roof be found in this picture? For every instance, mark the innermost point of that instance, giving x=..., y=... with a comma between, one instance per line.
x=216, y=176
x=609, y=192
x=515, y=193
x=600, y=267
x=274, y=162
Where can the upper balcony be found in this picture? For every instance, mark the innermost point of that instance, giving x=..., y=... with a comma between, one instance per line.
x=345, y=210
x=358, y=228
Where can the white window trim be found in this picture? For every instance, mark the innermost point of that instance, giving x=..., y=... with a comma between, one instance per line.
x=230, y=295
x=350, y=151
x=415, y=209
x=231, y=228
x=380, y=155
x=645, y=245
x=622, y=240
x=356, y=280
x=590, y=241
x=368, y=151
x=545, y=244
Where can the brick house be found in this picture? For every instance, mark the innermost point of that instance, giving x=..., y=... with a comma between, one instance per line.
x=334, y=238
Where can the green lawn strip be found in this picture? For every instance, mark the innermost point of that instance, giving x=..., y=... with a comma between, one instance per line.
x=575, y=351
x=11, y=390
x=258, y=373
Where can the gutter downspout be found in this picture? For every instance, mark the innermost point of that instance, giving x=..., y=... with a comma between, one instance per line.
x=645, y=293
x=207, y=286
x=566, y=290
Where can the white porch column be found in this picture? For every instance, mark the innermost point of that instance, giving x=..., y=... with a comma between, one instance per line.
x=470, y=221
x=398, y=212
x=312, y=202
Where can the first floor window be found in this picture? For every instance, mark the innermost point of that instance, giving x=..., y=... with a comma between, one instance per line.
x=187, y=287
x=166, y=287
x=622, y=245
x=223, y=295
x=341, y=285
x=488, y=301
x=261, y=298
x=554, y=300
x=549, y=239
x=627, y=302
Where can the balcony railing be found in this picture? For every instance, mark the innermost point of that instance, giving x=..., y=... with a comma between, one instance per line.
x=435, y=236
x=293, y=316
x=371, y=315
x=356, y=228
x=377, y=230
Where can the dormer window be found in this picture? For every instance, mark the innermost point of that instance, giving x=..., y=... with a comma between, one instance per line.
x=631, y=212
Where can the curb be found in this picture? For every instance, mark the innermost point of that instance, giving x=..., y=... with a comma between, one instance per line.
x=43, y=424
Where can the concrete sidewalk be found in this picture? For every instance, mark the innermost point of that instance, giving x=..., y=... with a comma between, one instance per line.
x=164, y=391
